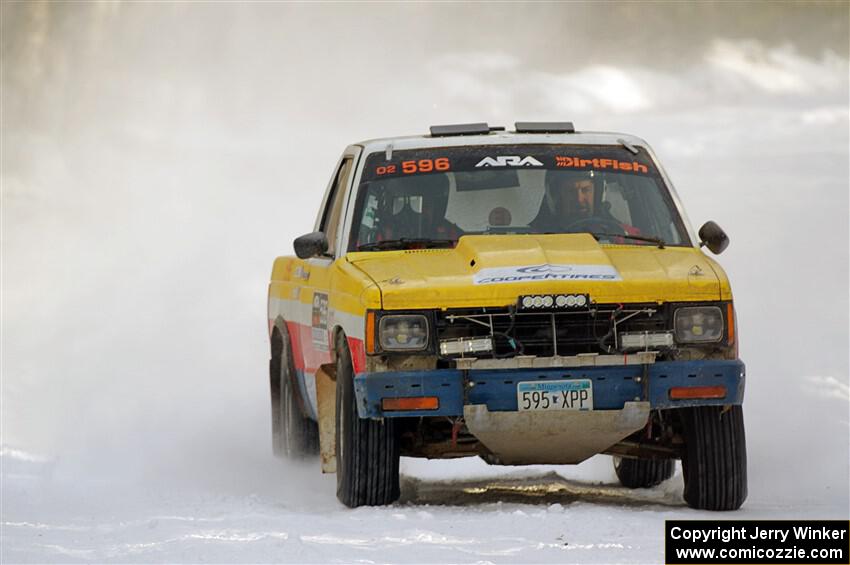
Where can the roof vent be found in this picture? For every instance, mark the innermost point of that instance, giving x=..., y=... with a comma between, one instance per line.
x=545, y=127
x=463, y=129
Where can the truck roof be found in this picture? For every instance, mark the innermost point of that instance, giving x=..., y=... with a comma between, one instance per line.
x=499, y=138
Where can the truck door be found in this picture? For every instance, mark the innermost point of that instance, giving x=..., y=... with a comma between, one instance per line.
x=316, y=339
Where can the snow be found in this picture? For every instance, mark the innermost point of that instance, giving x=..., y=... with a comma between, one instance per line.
x=157, y=156
x=461, y=511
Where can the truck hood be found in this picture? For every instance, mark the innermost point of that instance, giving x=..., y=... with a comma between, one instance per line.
x=493, y=270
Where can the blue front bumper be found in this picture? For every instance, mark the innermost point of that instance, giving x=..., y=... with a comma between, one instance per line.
x=612, y=386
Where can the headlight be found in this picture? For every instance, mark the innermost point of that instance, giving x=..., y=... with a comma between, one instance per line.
x=403, y=333
x=700, y=324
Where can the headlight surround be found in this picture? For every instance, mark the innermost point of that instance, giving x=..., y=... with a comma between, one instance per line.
x=403, y=332
x=698, y=324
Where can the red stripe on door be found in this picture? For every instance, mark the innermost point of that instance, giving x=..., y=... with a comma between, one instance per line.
x=308, y=358
x=297, y=349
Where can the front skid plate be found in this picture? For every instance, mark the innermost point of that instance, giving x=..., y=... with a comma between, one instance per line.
x=543, y=437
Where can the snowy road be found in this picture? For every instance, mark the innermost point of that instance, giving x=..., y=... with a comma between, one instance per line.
x=158, y=155
x=289, y=514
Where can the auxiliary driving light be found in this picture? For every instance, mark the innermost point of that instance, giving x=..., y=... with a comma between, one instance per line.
x=547, y=301
x=464, y=345
x=646, y=340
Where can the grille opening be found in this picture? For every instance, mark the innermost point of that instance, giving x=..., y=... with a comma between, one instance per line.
x=546, y=334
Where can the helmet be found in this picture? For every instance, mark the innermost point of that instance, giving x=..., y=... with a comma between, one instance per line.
x=556, y=180
x=411, y=206
x=435, y=194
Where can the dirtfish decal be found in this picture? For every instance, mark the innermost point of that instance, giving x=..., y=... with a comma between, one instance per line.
x=509, y=161
x=577, y=163
x=547, y=272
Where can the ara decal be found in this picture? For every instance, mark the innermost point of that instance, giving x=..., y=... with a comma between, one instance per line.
x=509, y=161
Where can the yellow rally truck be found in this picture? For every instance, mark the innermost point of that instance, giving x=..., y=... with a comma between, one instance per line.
x=528, y=296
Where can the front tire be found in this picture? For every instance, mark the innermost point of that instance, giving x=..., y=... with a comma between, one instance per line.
x=367, y=452
x=714, y=463
x=643, y=473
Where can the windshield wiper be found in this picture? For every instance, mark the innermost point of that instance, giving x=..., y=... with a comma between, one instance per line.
x=425, y=243
x=657, y=241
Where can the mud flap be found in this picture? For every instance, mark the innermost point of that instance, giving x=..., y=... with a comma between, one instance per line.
x=326, y=401
x=537, y=437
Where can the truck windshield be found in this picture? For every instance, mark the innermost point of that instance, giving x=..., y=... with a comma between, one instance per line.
x=438, y=195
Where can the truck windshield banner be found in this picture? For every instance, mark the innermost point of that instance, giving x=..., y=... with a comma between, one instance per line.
x=483, y=157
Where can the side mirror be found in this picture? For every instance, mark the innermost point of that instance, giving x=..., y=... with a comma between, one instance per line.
x=310, y=245
x=712, y=236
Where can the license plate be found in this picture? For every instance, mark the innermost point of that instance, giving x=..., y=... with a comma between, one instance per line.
x=555, y=395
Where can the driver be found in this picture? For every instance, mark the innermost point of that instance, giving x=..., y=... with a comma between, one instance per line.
x=571, y=198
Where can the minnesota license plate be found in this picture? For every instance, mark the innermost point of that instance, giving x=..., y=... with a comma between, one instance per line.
x=555, y=395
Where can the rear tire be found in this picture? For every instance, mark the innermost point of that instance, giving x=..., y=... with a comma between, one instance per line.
x=714, y=463
x=367, y=452
x=294, y=434
x=643, y=473
x=274, y=382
